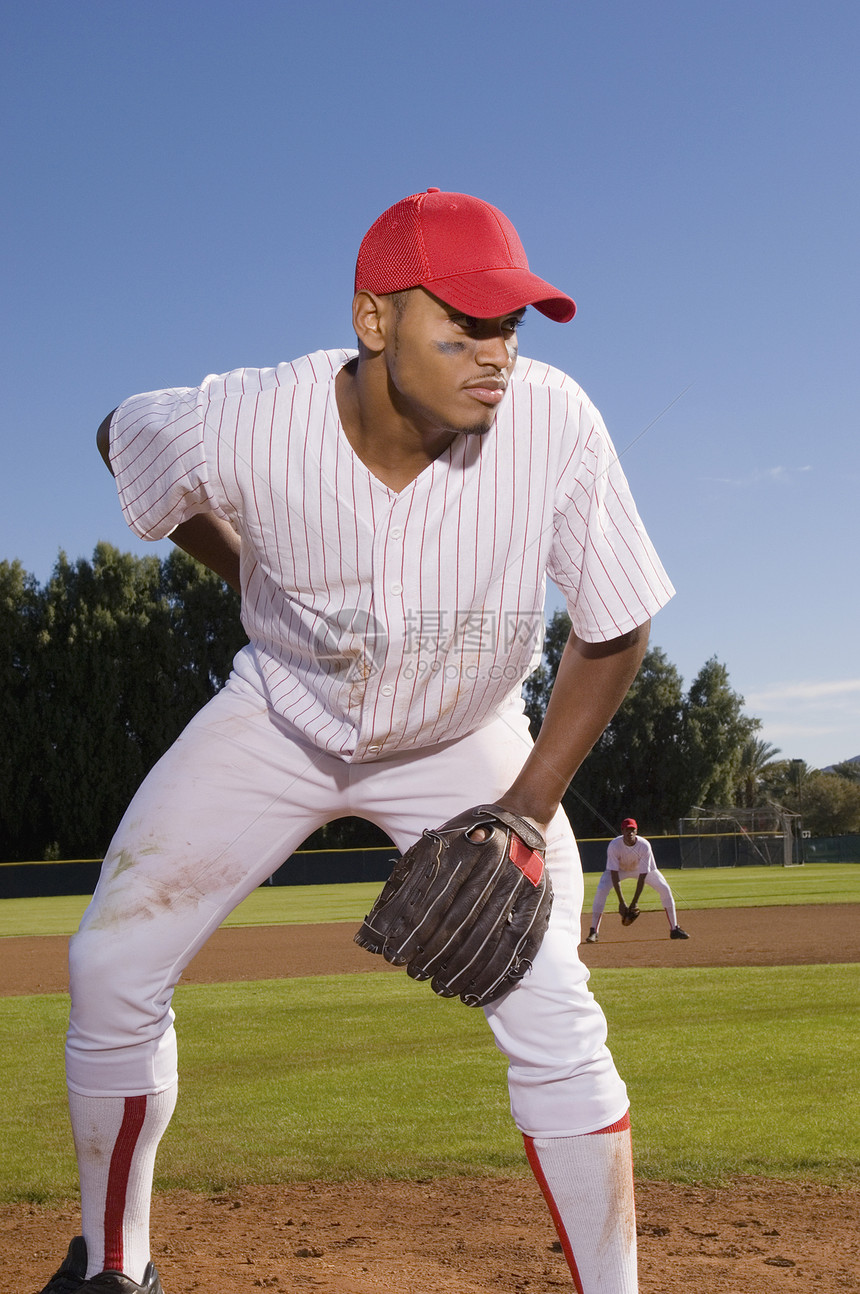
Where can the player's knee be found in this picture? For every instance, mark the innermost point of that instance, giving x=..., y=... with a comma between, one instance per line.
x=114, y=991
x=94, y=961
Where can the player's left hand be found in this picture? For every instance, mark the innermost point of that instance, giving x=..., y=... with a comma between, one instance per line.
x=467, y=906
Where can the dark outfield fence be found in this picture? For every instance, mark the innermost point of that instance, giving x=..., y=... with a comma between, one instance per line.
x=306, y=867
x=347, y=866
x=833, y=849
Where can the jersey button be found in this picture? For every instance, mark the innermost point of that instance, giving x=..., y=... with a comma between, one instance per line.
x=396, y=588
x=396, y=532
x=387, y=690
x=374, y=750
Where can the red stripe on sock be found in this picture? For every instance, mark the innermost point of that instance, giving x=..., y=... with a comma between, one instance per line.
x=120, y=1170
x=622, y=1125
x=534, y=1162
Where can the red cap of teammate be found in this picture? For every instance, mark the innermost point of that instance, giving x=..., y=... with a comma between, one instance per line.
x=462, y=250
x=629, y=824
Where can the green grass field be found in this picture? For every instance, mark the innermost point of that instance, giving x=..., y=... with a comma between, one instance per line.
x=730, y=1070
x=723, y=887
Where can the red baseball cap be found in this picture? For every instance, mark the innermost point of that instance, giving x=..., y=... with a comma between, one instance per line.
x=629, y=822
x=462, y=250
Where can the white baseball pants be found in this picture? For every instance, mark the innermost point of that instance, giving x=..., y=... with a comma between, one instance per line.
x=655, y=879
x=228, y=803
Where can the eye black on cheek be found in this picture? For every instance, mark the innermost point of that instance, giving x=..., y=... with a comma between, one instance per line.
x=450, y=347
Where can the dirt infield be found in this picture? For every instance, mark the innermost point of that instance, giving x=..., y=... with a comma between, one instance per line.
x=463, y=1236
x=784, y=936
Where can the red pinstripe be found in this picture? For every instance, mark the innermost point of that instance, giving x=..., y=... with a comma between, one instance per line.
x=481, y=526
x=444, y=604
x=168, y=471
x=272, y=501
x=324, y=550
x=255, y=405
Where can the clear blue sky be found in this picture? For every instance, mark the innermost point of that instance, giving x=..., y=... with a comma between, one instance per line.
x=186, y=185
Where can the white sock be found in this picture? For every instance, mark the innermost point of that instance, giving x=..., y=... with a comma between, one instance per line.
x=115, y=1140
x=588, y=1184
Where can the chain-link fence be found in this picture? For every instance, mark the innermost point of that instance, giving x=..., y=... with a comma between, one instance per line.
x=734, y=837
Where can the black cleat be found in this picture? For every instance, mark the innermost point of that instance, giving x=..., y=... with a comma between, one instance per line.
x=592, y=936
x=71, y=1277
x=117, y=1283
x=71, y=1274
x=678, y=933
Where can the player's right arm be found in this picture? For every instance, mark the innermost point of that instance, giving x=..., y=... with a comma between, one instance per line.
x=213, y=542
x=616, y=885
x=209, y=539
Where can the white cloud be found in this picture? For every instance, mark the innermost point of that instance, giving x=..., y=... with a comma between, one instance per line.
x=774, y=698
x=800, y=732
x=774, y=475
x=813, y=719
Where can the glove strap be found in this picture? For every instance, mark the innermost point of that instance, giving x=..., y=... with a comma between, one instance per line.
x=524, y=830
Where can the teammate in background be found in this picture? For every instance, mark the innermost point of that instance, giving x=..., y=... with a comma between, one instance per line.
x=390, y=515
x=630, y=855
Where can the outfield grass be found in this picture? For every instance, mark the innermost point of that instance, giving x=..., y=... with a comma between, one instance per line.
x=731, y=1070
x=723, y=887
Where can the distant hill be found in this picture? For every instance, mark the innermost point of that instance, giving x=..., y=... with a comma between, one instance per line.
x=855, y=759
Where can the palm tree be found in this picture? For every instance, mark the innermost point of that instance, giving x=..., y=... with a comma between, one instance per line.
x=756, y=756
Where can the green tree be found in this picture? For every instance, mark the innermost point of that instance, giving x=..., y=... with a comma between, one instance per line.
x=348, y=833
x=662, y=753
x=716, y=731
x=537, y=687
x=636, y=767
x=757, y=756
x=849, y=768
x=830, y=805
x=784, y=782
x=126, y=650
x=98, y=676
x=22, y=783
x=828, y=802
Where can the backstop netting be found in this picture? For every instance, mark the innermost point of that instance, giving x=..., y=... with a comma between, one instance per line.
x=768, y=837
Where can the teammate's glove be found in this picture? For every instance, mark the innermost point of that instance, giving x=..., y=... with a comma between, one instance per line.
x=468, y=915
x=629, y=915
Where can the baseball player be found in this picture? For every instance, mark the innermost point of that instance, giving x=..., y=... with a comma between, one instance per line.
x=630, y=855
x=390, y=514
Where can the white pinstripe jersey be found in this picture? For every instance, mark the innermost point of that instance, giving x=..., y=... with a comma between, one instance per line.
x=380, y=621
x=630, y=860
